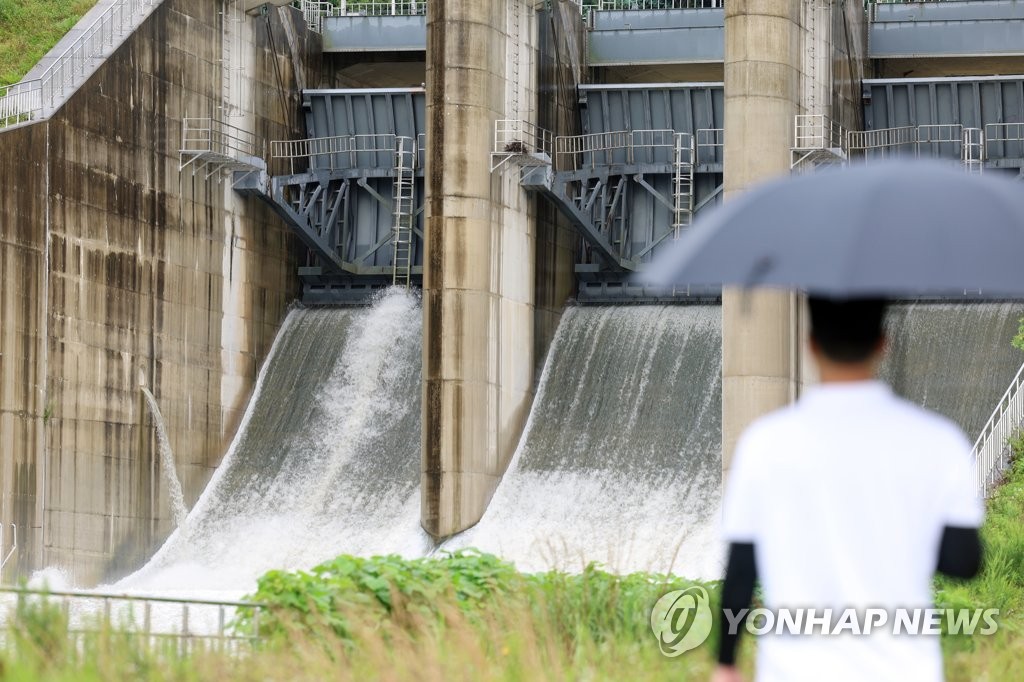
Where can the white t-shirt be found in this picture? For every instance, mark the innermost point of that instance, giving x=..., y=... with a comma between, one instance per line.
x=845, y=495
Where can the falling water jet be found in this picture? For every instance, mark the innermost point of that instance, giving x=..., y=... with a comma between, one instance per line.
x=167, y=467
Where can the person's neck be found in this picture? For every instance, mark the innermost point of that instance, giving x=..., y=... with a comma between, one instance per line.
x=841, y=372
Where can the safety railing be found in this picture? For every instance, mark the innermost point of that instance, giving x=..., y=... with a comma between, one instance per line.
x=377, y=8
x=940, y=139
x=1004, y=140
x=38, y=97
x=187, y=625
x=710, y=146
x=871, y=4
x=630, y=147
x=992, y=450
x=20, y=102
x=625, y=5
x=343, y=152
x=816, y=131
x=214, y=136
x=315, y=11
x=973, y=150
x=517, y=139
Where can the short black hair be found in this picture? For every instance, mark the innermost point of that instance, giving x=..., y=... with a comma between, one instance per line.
x=847, y=330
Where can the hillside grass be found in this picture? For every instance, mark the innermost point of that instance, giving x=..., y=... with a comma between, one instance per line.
x=30, y=28
x=1000, y=586
x=472, y=616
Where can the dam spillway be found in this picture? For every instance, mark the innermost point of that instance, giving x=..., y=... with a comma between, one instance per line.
x=954, y=358
x=326, y=460
x=619, y=462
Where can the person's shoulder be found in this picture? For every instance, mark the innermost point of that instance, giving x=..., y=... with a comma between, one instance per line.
x=927, y=424
x=769, y=428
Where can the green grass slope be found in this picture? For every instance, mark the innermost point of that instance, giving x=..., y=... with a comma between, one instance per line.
x=30, y=28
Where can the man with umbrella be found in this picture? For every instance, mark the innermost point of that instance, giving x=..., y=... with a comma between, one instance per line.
x=851, y=498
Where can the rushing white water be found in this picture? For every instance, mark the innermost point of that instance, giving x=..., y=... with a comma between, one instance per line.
x=955, y=358
x=326, y=461
x=168, y=470
x=619, y=462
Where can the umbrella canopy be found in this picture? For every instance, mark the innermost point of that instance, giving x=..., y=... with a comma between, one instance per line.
x=900, y=228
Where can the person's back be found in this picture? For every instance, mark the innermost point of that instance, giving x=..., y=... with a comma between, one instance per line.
x=843, y=501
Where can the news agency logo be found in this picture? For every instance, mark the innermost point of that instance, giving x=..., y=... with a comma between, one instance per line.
x=681, y=620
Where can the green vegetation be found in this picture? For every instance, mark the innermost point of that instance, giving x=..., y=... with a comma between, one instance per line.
x=30, y=28
x=1018, y=340
x=471, y=616
x=1000, y=586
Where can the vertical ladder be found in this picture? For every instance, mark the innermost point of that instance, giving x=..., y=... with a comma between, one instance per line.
x=682, y=184
x=973, y=150
x=403, y=200
x=515, y=39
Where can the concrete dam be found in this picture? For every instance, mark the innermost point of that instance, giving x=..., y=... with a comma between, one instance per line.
x=377, y=267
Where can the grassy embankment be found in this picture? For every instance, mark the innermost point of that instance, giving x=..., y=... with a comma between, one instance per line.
x=474, y=617
x=30, y=28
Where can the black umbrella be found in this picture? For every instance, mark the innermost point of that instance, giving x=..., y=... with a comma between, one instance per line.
x=899, y=228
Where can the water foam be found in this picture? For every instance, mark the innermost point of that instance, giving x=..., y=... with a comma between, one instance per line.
x=620, y=459
x=327, y=461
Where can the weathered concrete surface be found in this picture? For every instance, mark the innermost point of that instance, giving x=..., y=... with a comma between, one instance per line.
x=478, y=293
x=763, y=56
x=113, y=267
x=561, y=67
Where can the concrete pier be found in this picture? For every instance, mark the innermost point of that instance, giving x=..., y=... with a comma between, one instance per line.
x=762, y=95
x=478, y=290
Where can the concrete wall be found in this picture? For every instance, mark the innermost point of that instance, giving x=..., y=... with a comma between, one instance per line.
x=561, y=37
x=478, y=291
x=764, y=55
x=116, y=267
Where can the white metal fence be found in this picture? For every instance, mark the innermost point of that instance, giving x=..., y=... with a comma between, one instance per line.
x=516, y=139
x=815, y=131
x=39, y=97
x=315, y=11
x=345, y=151
x=626, y=5
x=710, y=145
x=992, y=450
x=178, y=625
x=213, y=136
x=576, y=152
x=950, y=140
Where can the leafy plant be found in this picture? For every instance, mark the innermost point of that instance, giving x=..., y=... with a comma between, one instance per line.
x=1018, y=340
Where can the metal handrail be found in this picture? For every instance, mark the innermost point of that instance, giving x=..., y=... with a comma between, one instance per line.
x=1002, y=134
x=342, y=151
x=518, y=139
x=709, y=140
x=992, y=449
x=36, y=98
x=185, y=624
x=627, y=5
x=315, y=11
x=206, y=135
x=575, y=152
x=817, y=131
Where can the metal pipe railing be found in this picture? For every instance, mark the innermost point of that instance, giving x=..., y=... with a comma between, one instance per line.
x=992, y=449
x=816, y=131
x=191, y=623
